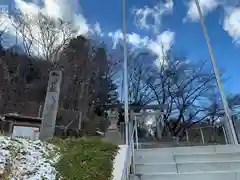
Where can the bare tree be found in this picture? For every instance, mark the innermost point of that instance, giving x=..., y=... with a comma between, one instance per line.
x=191, y=87
x=161, y=84
x=3, y=30
x=215, y=109
x=43, y=35
x=183, y=88
x=140, y=71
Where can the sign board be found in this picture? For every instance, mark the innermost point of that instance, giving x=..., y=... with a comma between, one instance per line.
x=26, y=132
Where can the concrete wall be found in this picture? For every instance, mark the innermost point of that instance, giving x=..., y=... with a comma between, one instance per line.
x=120, y=162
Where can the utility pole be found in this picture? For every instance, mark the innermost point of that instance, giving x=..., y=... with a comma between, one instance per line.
x=233, y=135
x=125, y=69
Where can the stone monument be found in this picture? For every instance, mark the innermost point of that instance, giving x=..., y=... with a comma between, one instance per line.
x=51, y=105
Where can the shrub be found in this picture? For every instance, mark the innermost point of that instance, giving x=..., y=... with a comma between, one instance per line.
x=85, y=159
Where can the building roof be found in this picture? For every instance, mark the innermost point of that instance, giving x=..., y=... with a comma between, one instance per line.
x=20, y=118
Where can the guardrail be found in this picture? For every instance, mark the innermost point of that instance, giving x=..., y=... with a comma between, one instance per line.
x=200, y=129
x=133, y=143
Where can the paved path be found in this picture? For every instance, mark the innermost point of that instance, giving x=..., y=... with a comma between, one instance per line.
x=113, y=135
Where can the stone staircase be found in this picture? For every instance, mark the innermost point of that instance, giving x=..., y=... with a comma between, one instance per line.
x=219, y=162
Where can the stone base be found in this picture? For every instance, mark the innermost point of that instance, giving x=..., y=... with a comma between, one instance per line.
x=114, y=137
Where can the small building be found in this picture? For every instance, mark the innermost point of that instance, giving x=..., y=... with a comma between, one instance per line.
x=16, y=125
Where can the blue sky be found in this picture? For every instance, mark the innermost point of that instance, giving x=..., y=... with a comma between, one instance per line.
x=158, y=23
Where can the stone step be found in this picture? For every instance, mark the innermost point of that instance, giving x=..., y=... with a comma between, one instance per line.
x=162, y=144
x=186, y=158
x=187, y=167
x=192, y=149
x=189, y=176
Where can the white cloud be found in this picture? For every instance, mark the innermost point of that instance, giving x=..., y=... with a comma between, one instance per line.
x=231, y=21
x=159, y=46
x=136, y=40
x=207, y=6
x=27, y=8
x=232, y=24
x=132, y=38
x=97, y=29
x=4, y=22
x=66, y=10
x=116, y=37
x=57, y=9
x=150, y=18
x=232, y=3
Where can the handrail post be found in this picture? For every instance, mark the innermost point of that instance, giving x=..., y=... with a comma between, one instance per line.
x=187, y=136
x=203, y=140
x=131, y=145
x=224, y=133
x=136, y=131
x=133, y=157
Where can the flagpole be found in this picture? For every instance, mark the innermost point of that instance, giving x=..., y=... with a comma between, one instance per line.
x=125, y=69
x=218, y=78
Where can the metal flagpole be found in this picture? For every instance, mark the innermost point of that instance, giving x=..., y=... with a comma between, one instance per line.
x=218, y=78
x=125, y=73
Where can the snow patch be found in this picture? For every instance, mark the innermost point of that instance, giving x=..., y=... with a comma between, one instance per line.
x=26, y=159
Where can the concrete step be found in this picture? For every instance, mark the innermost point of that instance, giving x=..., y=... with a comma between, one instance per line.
x=185, y=158
x=160, y=144
x=187, y=167
x=217, y=157
x=192, y=150
x=155, y=168
x=189, y=176
x=188, y=154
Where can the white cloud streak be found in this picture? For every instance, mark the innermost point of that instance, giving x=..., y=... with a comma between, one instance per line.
x=159, y=46
x=232, y=24
x=116, y=37
x=231, y=21
x=150, y=18
x=207, y=6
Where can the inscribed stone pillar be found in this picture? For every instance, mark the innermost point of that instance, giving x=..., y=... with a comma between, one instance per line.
x=51, y=105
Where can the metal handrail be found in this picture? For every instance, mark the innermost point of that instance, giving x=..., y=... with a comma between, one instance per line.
x=131, y=141
x=230, y=127
x=130, y=161
x=202, y=134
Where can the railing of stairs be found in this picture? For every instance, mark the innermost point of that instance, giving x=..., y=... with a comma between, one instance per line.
x=133, y=144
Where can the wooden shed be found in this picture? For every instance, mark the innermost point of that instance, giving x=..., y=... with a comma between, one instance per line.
x=13, y=123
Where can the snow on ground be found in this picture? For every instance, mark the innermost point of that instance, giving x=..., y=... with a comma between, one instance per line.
x=23, y=159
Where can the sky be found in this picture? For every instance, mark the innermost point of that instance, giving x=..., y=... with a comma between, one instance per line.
x=158, y=25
